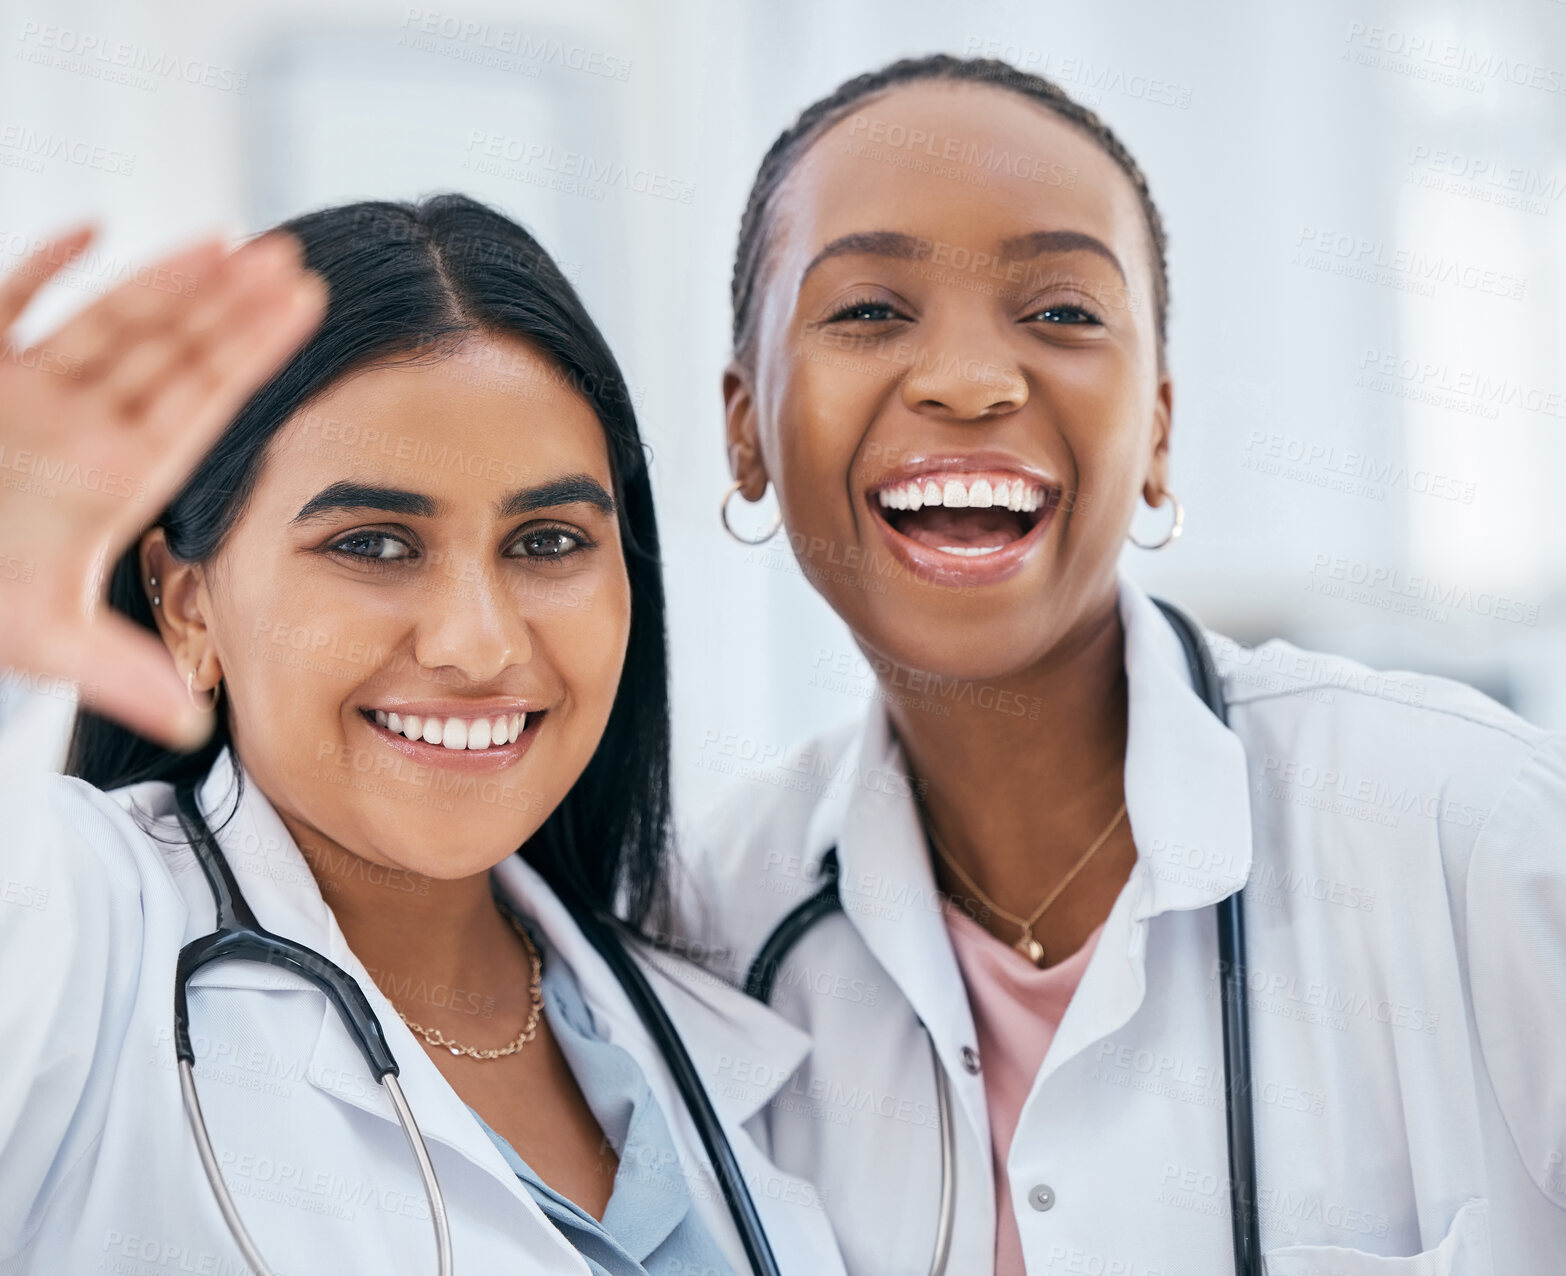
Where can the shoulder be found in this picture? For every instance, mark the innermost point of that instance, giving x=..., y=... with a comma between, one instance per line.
x=1304, y=709
x=753, y=856
x=1329, y=735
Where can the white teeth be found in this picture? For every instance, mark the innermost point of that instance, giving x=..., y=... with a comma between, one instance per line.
x=455, y=733
x=957, y=493
x=969, y=551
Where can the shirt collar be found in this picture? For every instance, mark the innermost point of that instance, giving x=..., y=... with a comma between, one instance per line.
x=1186, y=784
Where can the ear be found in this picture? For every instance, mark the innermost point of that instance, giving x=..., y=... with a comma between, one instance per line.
x=182, y=610
x=746, y=463
x=1157, y=482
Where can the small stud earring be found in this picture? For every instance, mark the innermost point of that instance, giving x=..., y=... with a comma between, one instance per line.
x=153, y=582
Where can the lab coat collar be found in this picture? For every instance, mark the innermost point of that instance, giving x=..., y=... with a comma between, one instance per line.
x=1187, y=788
x=744, y=1051
x=1191, y=853
x=1187, y=801
x=286, y=899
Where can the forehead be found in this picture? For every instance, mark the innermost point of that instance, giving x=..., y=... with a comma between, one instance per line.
x=495, y=412
x=968, y=165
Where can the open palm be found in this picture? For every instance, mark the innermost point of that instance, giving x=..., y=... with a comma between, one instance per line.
x=100, y=424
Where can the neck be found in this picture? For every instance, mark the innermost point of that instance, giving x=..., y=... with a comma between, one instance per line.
x=447, y=937
x=1017, y=798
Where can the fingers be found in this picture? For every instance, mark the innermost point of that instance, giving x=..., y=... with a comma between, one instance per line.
x=203, y=393
x=140, y=307
x=40, y=266
x=126, y=674
x=253, y=279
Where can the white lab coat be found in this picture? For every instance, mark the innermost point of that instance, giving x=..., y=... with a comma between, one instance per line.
x=1402, y=845
x=98, y=1169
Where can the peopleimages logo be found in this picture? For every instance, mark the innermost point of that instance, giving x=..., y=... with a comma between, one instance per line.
x=487, y=42
x=120, y=61
x=1377, y=579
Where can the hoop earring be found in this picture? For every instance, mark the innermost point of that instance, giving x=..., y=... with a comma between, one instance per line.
x=723, y=514
x=1172, y=535
x=190, y=691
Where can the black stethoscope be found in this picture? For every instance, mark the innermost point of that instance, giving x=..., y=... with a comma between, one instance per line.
x=240, y=937
x=1236, y=1023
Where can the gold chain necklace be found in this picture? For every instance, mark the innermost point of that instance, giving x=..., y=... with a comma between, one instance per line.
x=535, y=995
x=1026, y=945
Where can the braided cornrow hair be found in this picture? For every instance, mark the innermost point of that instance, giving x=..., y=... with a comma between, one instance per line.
x=820, y=116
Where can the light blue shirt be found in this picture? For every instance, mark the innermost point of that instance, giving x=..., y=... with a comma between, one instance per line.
x=649, y=1227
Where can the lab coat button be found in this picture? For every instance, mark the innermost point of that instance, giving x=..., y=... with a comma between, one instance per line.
x=970, y=1060
x=1041, y=1197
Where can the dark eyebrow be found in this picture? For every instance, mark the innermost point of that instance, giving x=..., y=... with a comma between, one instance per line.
x=891, y=243
x=874, y=243
x=1059, y=241
x=570, y=490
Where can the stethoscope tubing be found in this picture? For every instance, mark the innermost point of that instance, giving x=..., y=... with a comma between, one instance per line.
x=1240, y=1115
x=240, y=937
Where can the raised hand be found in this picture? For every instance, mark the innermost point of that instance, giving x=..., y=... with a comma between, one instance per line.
x=100, y=424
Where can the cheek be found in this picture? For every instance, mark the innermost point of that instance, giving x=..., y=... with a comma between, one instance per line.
x=828, y=399
x=584, y=624
x=291, y=653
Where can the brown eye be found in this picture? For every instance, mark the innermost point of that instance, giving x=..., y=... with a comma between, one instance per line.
x=1064, y=315
x=551, y=542
x=376, y=546
x=868, y=311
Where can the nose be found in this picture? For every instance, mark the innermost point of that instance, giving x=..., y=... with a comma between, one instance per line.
x=963, y=373
x=472, y=623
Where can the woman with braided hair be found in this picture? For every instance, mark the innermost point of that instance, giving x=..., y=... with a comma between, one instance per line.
x=949, y=364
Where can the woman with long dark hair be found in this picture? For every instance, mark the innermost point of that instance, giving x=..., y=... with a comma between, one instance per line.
x=412, y=584
x=1007, y=903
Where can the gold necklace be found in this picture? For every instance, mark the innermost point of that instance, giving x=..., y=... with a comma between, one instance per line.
x=1026, y=944
x=535, y=995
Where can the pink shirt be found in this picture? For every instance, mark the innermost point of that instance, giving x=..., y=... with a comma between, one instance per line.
x=1016, y=1009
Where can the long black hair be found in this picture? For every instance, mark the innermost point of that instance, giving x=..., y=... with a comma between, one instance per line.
x=406, y=280
x=818, y=117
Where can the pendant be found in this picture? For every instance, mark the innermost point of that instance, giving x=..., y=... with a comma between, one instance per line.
x=1030, y=947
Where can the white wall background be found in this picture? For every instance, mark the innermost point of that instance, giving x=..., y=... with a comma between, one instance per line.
x=1429, y=138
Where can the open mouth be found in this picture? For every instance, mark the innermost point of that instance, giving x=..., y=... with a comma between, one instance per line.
x=467, y=742
x=967, y=514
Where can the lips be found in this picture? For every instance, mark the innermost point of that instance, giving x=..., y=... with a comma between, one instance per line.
x=954, y=522
x=487, y=737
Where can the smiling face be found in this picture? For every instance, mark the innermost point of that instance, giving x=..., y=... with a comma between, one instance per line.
x=954, y=383
x=421, y=616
